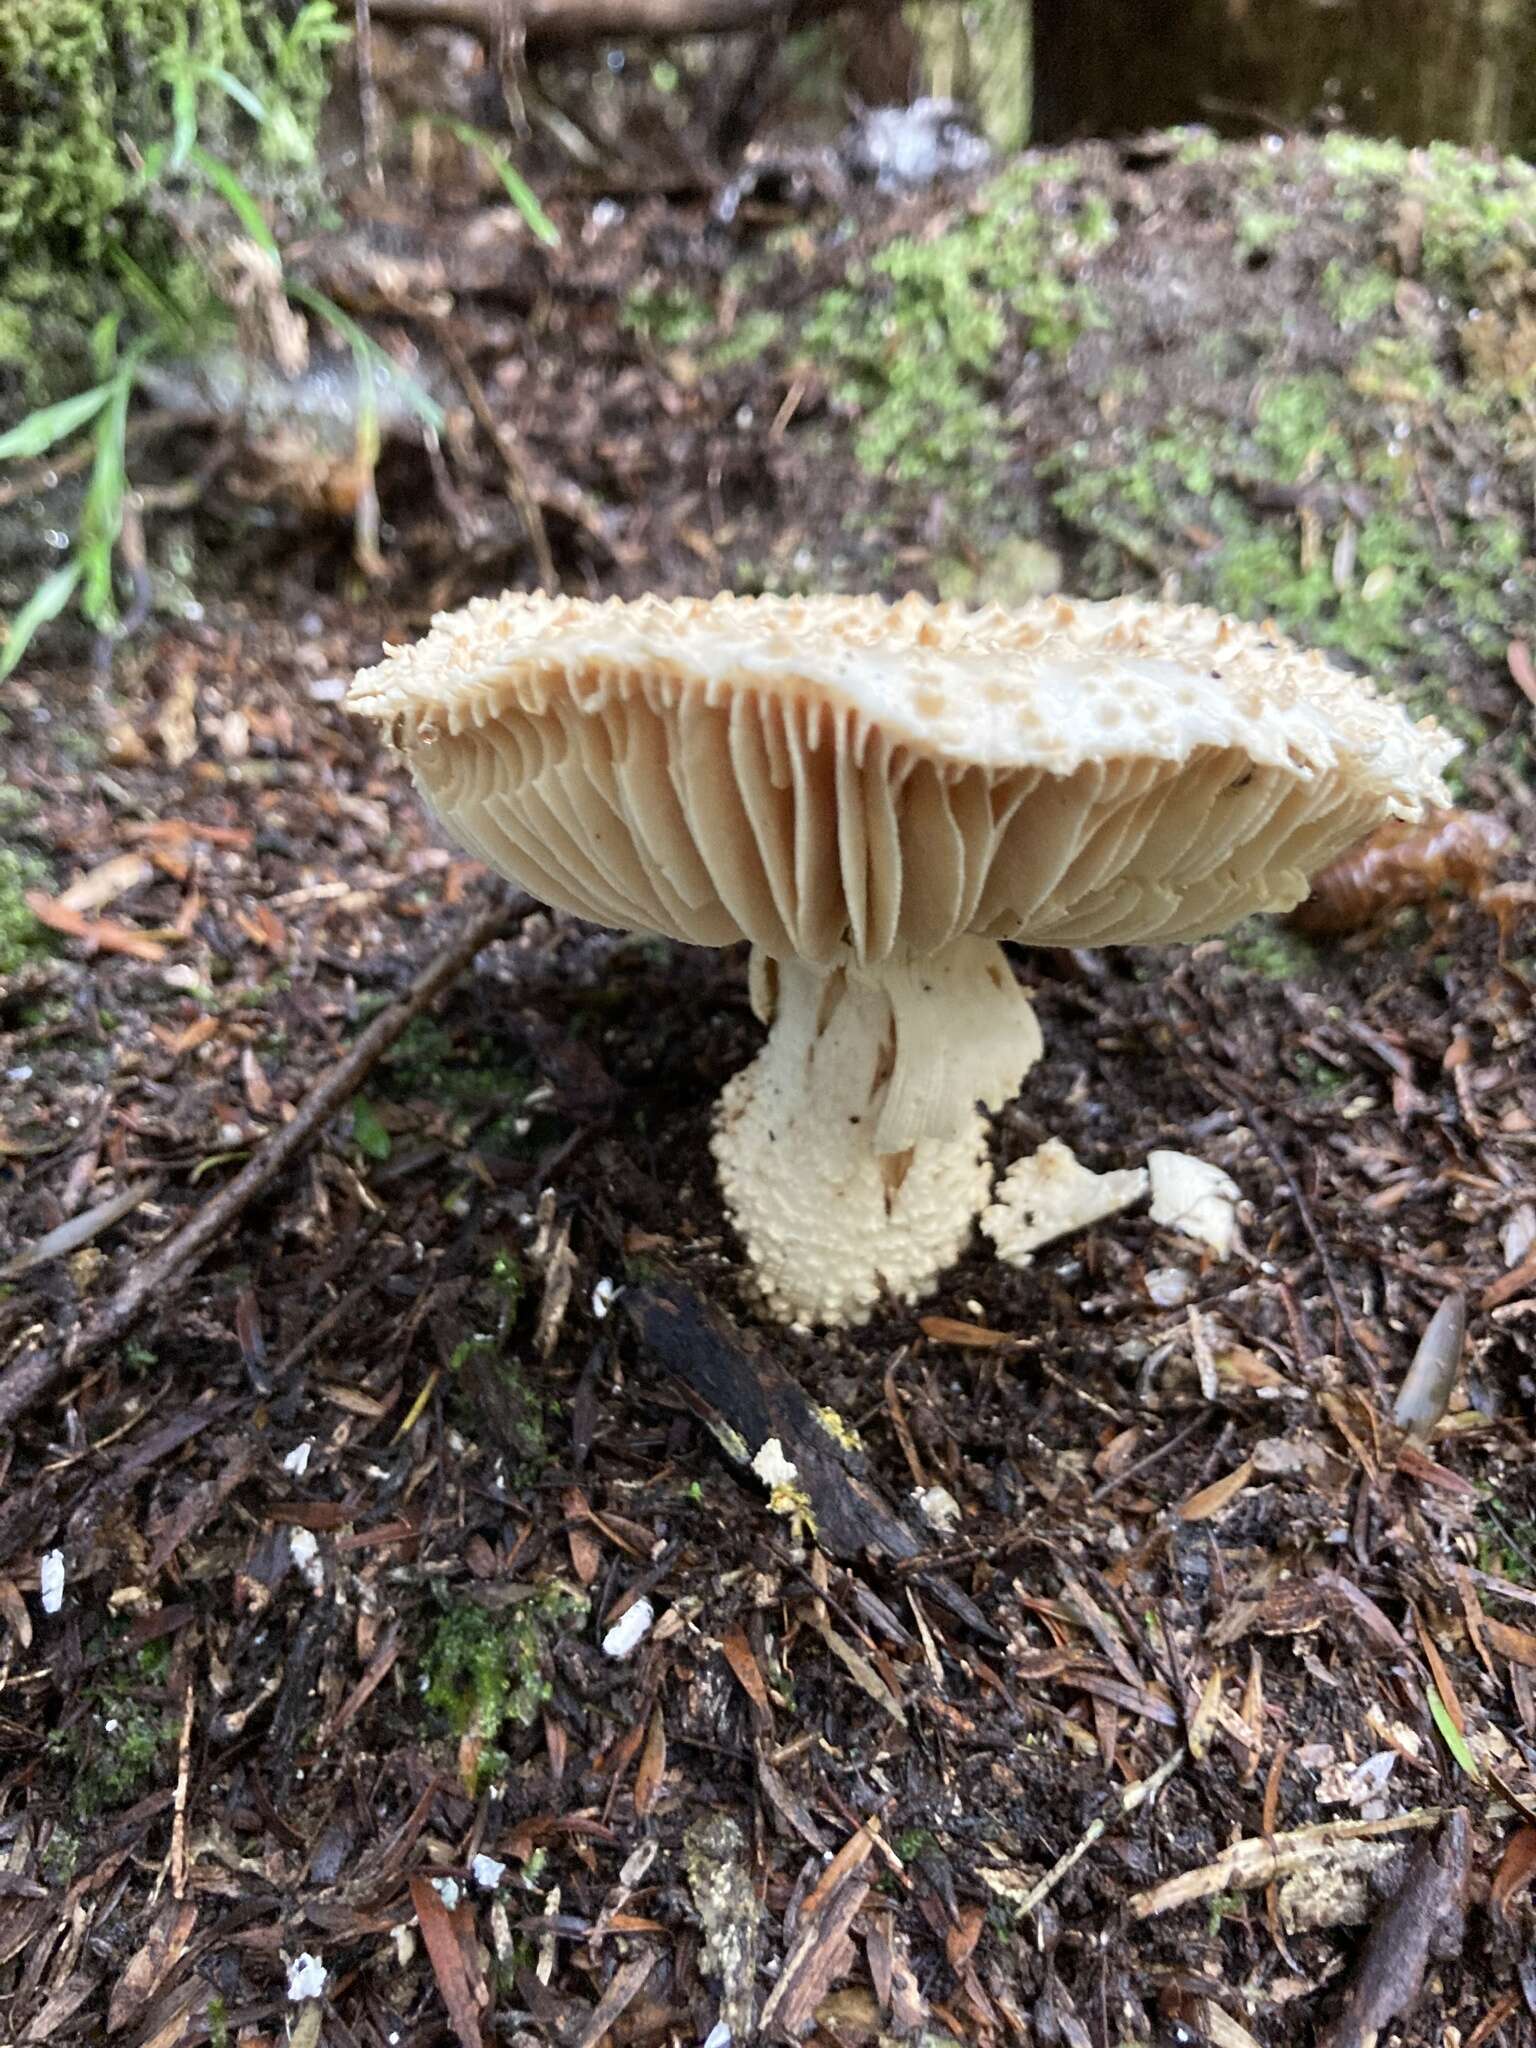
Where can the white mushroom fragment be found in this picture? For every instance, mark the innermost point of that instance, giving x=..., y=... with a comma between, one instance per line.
x=1196, y=1199
x=1049, y=1195
x=875, y=795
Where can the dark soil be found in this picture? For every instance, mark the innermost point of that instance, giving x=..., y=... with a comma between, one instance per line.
x=345, y=1523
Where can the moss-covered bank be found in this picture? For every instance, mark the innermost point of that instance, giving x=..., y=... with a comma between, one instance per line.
x=1295, y=382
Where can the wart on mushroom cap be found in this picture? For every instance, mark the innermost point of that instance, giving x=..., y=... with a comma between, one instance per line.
x=875, y=795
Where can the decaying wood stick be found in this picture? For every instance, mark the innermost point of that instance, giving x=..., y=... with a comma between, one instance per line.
x=1423, y=1922
x=557, y=24
x=173, y=1261
x=733, y=1383
x=506, y=441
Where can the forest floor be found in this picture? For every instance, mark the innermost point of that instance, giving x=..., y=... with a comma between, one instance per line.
x=313, y=1724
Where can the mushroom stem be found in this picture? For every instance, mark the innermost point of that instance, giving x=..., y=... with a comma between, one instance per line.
x=852, y=1153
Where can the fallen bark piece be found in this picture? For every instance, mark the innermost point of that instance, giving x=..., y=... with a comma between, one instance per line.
x=1425, y=1919
x=1049, y=1195
x=1258, y=1860
x=750, y=1402
x=820, y=1953
x=715, y=1857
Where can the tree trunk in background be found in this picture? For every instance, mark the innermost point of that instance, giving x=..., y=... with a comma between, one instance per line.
x=980, y=53
x=1462, y=70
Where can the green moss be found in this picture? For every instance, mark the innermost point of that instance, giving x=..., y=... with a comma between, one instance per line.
x=484, y=1671
x=1263, y=946
x=78, y=78
x=752, y=336
x=60, y=1857
x=1356, y=297
x=1319, y=1076
x=113, y=1751
x=1261, y=229
x=22, y=938
x=1398, y=370
x=666, y=314
x=912, y=340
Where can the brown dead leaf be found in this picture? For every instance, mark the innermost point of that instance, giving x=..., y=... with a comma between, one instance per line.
x=653, y=1764
x=1517, y=1644
x=149, y=1966
x=170, y=831
x=440, y=1930
x=1517, y=1866
x=1522, y=667
x=258, y=1089
x=960, y=1942
x=967, y=1336
x=1210, y=1500
x=100, y=935
x=737, y=1652
x=13, y=1610
x=586, y=1551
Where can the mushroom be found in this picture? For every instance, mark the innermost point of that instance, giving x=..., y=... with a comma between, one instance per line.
x=875, y=796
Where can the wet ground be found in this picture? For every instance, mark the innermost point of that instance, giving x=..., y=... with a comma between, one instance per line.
x=335, y=1541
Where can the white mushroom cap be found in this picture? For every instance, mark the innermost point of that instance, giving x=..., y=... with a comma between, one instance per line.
x=833, y=775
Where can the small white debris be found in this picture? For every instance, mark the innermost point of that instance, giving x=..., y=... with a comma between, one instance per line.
x=328, y=689
x=447, y=1889
x=772, y=1467
x=18, y=1073
x=1195, y=1198
x=487, y=1872
x=719, y=2036
x=1516, y=1237
x=297, y=1461
x=630, y=1630
x=1169, y=1286
x=181, y=974
x=602, y=1297
x=50, y=1581
x=938, y=1508
x=1050, y=1194
x=305, y=1552
x=1356, y=1784
x=306, y=1978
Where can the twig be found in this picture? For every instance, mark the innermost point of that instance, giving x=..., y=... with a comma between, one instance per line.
x=368, y=94
x=748, y=1400
x=559, y=24
x=1130, y=1799
x=1225, y=1084
x=505, y=442
x=171, y=1263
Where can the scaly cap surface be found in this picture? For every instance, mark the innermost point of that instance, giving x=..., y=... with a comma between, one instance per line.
x=816, y=774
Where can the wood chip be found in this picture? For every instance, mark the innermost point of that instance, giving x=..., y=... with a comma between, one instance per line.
x=1210, y=1500
x=446, y=1951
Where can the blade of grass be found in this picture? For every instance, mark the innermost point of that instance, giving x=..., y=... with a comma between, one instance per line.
x=517, y=188
x=240, y=202
x=1451, y=1735
x=101, y=517
x=366, y=349
x=45, y=603
x=38, y=432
